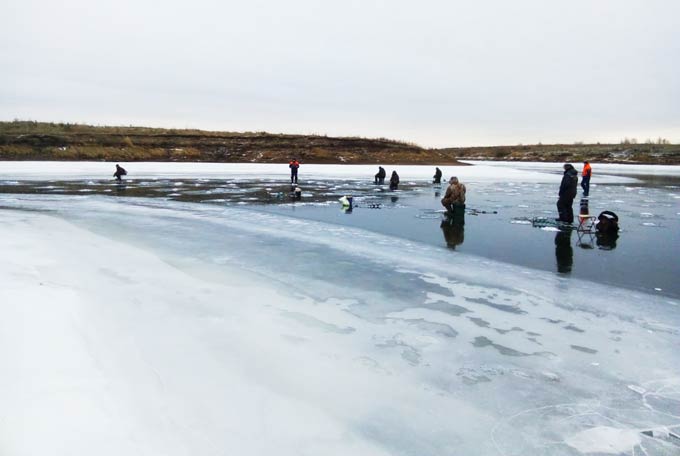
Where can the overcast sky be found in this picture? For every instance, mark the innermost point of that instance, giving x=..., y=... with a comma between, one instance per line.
x=438, y=73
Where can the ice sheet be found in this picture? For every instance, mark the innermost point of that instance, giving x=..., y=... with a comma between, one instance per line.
x=482, y=171
x=604, y=168
x=177, y=328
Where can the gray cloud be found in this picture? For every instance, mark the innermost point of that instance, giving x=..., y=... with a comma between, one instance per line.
x=434, y=72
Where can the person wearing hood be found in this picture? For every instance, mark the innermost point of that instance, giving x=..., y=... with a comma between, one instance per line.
x=437, y=178
x=567, y=194
x=454, y=198
x=607, y=223
x=394, y=181
x=120, y=172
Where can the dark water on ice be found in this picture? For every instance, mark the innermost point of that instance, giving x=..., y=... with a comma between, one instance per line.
x=497, y=223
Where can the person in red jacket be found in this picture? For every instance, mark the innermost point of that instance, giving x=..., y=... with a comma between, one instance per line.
x=585, y=178
x=293, y=165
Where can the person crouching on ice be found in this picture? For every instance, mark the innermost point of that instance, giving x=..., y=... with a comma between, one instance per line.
x=380, y=177
x=394, y=181
x=120, y=172
x=607, y=223
x=454, y=198
x=296, y=192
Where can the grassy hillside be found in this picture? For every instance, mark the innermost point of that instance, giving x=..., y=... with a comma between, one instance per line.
x=21, y=140
x=648, y=153
x=26, y=140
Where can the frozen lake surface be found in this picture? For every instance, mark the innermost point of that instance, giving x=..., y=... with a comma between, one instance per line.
x=187, y=313
x=501, y=202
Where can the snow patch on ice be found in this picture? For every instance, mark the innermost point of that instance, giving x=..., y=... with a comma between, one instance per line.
x=604, y=439
x=482, y=171
x=249, y=364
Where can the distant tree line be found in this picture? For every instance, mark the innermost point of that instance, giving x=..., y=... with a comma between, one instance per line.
x=633, y=141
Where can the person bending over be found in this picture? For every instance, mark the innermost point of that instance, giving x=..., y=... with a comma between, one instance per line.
x=454, y=198
x=120, y=172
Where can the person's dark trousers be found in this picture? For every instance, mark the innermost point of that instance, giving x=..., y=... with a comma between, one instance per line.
x=585, y=185
x=565, y=209
x=377, y=179
x=293, y=175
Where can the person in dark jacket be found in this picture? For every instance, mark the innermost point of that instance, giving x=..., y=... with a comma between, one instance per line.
x=607, y=230
x=567, y=194
x=394, y=181
x=607, y=223
x=380, y=177
x=437, y=178
x=120, y=172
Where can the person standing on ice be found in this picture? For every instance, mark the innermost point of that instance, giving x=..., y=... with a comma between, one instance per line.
x=294, y=165
x=120, y=172
x=454, y=198
x=394, y=181
x=437, y=178
x=380, y=177
x=567, y=194
x=585, y=178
